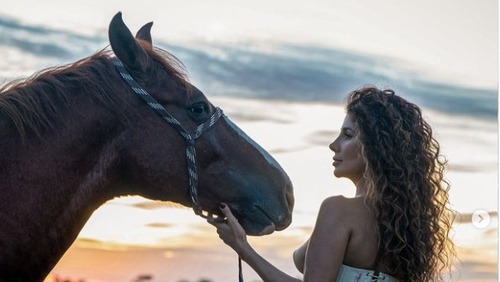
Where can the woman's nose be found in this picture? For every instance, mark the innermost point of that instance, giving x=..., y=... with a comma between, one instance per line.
x=332, y=146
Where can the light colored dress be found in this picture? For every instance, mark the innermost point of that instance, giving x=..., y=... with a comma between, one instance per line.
x=352, y=274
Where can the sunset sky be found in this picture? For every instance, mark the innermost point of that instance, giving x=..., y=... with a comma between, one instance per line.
x=454, y=42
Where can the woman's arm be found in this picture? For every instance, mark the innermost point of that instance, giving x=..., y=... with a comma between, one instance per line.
x=329, y=240
x=234, y=235
x=266, y=271
x=324, y=252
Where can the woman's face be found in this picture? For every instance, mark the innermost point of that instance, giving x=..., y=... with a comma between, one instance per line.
x=347, y=160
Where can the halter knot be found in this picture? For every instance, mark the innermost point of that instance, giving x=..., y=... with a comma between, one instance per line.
x=190, y=141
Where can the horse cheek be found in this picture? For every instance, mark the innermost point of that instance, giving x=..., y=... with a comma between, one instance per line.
x=157, y=171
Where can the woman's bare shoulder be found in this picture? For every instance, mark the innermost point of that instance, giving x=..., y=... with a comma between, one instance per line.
x=334, y=208
x=337, y=199
x=343, y=209
x=341, y=203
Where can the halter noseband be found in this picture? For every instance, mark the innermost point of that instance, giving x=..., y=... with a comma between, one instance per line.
x=190, y=137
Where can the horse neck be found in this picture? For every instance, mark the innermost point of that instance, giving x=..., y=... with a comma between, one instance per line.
x=52, y=184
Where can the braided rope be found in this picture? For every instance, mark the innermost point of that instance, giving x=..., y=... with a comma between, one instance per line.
x=240, y=270
x=190, y=137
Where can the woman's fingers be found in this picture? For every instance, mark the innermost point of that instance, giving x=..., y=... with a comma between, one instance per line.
x=231, y=220
x=216, y=220
x=233, y=223
x=229, y=230
x=230, y=223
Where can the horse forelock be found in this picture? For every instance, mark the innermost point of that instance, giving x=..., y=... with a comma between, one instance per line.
x=172, y=65
x=36, y=103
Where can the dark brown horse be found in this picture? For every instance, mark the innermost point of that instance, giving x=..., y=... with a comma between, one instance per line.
x=74, y=137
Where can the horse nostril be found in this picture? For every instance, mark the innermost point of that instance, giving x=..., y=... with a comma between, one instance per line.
x=290, y=199
x=285, y=219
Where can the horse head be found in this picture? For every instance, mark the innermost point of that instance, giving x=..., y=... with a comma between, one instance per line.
x=230, y=166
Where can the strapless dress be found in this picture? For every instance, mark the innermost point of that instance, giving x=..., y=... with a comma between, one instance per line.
x=353, y=274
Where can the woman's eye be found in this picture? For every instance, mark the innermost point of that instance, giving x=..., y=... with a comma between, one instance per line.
x=347, y=135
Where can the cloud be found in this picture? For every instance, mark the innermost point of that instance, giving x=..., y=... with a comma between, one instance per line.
x=290, y=72
x=45, y=42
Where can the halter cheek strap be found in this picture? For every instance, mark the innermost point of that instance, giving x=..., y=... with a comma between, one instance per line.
x=190, y=137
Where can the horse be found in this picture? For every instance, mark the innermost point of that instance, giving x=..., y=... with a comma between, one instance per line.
x=122, y=121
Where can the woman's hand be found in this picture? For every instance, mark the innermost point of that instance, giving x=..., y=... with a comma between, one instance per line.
x=230, y=230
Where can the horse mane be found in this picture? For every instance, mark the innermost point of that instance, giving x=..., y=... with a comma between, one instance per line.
x=35, y=103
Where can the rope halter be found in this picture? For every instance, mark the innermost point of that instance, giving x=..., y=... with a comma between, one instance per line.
x=190, y=137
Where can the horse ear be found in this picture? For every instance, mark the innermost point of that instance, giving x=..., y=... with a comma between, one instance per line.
x=144, y=33
x=125, y=47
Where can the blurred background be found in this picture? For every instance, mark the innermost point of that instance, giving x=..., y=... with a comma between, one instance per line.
x=281, y=70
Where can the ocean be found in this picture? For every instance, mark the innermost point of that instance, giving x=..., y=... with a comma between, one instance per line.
x=288, y=96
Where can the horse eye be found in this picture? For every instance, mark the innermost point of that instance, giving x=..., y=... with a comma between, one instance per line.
x=199, y=108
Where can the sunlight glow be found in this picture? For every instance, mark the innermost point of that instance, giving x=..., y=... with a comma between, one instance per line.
x=453, y=42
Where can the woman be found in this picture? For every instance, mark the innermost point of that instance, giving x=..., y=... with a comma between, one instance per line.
x=396, y=226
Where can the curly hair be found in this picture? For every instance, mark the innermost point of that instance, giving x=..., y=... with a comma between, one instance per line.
x=406, y=187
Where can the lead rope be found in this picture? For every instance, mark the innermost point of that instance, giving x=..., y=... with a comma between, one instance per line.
x=189, y=137
x=240, y=270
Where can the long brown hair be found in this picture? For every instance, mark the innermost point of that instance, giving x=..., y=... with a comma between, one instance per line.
x=406, y=186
